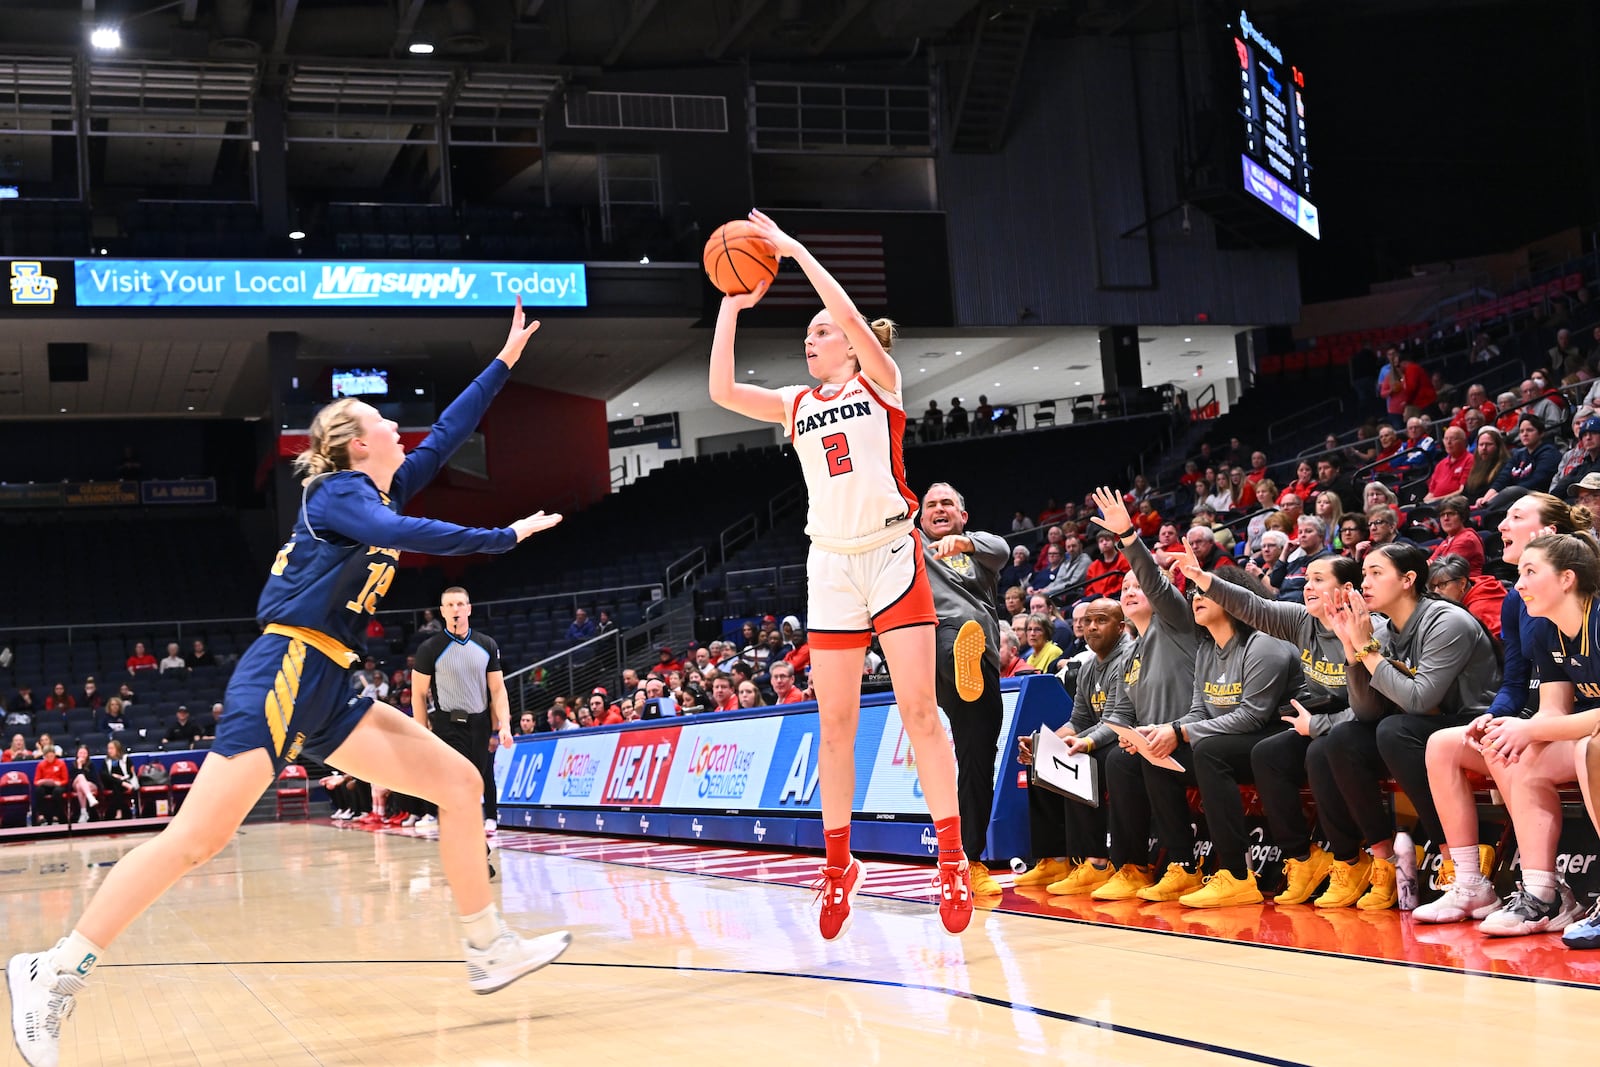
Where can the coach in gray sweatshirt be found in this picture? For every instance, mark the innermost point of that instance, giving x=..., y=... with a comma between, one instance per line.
x=963, y=570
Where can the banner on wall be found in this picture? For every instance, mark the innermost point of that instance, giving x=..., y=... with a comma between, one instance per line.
x=660, y=430
x=183, y=491
x=291, y=283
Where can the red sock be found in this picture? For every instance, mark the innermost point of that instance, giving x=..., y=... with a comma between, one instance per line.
x=949, y=833
x=837, y=842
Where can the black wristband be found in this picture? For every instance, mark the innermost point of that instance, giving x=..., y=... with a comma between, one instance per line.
x=1131, y=531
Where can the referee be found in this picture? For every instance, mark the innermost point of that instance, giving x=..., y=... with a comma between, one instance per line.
x=460, y=668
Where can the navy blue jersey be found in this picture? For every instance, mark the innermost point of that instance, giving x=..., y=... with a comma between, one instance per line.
x=1573, y=658
x=340, y=559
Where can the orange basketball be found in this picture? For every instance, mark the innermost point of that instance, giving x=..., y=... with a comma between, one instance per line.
x=737, y=258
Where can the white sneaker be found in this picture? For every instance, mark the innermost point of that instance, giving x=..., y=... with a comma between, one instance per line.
x=489, y=826
x=1458, y=904
x=508, y=958
x=40, y=1000
x=427, y=820
x=83, y=814
x=410, y=820
x=340, y=816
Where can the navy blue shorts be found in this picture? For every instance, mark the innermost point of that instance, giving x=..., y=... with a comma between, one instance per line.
x=288, y=697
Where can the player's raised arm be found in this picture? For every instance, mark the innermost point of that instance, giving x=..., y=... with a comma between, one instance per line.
x=726, y=391
x=875, y=361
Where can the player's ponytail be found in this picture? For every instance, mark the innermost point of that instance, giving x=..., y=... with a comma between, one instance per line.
x=885, y=331
x=332, y=430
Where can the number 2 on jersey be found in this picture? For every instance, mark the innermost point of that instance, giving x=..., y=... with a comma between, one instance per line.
x=379, y=577
x=837, y=447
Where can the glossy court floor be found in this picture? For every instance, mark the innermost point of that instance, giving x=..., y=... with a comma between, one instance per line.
x=307, y=943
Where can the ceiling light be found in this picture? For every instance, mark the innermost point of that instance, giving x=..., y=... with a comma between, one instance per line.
x=1077, y=383
x=749, y=372
x=1036, y=368
x=63, y=411
x=421, y=48
x=297, y=235
x=191, y=407
x=1188, y=340
x=106, y=38
x=922, y=370
x=958, y=351
x=644, y=259
x=635, y=403
x=418, y=391
x=997, y=385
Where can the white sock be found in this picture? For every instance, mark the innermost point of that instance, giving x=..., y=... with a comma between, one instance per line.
x=1541, y=884
x=1468, y=875
x=76, y=955
x=483, y=927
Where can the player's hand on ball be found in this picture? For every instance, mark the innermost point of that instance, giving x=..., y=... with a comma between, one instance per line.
x=741, y=301
x=531, y=525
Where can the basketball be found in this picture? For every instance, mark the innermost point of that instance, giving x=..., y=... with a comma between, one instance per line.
x=737, y=258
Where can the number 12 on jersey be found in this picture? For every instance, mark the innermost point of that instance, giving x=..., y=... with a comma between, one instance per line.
x=837, y=447
x=379, y=577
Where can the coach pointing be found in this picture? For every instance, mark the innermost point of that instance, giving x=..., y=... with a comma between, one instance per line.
x=963, y=570
x=460, y=668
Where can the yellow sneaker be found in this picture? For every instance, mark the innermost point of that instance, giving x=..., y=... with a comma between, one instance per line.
x=1304, y=876
x=1086, y=878
x=1223, y=890
x=1175, y=883
x=1125, y=884
x=1383, y=893
x=1347, y=882
x=1044, y=872
x=983, y=883
x=968, y=654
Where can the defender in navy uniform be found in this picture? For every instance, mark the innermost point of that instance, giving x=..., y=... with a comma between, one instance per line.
x=289, y=695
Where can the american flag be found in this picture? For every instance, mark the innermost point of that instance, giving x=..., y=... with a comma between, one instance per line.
x=856, y=259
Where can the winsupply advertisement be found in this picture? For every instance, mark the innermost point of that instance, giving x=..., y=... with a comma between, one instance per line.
x=291, y=283
x=753, y=777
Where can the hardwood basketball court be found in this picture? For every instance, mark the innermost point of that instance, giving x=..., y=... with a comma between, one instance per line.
x=310, y=943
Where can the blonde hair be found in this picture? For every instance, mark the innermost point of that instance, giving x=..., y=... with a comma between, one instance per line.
x=332, y=430
x=885, y=330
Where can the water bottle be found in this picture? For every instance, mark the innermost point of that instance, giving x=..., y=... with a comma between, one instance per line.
x=1018, y=866
x=1405, y=871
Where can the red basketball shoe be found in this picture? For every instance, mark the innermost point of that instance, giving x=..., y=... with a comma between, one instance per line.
x=955, y=897
x=838, y=888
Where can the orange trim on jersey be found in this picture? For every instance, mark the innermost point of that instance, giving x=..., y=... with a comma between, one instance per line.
x=842, y=641
x=897, y=446
x=914, y=607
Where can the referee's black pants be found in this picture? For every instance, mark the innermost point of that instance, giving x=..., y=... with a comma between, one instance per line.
x=975, y=729
x=471, y=739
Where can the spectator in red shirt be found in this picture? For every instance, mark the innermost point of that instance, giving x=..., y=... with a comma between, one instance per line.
x=1388, y=448
x=668, y=662
x=1012, y=664
x=50, y=787
x=1244, y=490
x=1459, y=538
x=1052, y=512
x=1104, y=576
x=1481, y=594
x=723, y=697
x=1054, y=536
x=1477, y=399
x=1304, y=484
x=800, y=658
x=1258, y=467
x=784, y=691
x=59, y=699
x=17, y=751
x=1450, y=473
x=1192, y=475
x=141, y=660
x=1407, y=387
x=1147, y=520
x=1202, y=544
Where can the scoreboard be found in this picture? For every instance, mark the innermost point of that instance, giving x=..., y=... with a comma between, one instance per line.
x=1276, y=159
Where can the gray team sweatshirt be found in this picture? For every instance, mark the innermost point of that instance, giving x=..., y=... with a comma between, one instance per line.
x=1450, y=666
x=1242, y=687
x=1320, y=650
x=1103, y=695
x=1160, y=674
x=963, y=588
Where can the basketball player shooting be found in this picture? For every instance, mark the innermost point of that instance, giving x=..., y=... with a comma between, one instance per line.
x=865, y=571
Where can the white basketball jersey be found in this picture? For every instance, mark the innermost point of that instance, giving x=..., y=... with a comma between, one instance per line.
x=851, y=449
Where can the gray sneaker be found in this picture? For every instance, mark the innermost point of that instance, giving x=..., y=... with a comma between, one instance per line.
x=1525, y=914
